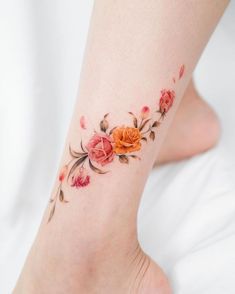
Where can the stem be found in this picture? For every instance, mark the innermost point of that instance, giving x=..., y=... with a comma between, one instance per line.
x=71, y=161
x=55, y=201
x=141, y=123
x=56, y=195
x=149, y=129
x=83, y=163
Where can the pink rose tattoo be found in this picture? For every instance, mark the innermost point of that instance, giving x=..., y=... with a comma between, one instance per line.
x=100, y=149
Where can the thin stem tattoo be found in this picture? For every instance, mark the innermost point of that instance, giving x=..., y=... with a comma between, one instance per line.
x=122, y=142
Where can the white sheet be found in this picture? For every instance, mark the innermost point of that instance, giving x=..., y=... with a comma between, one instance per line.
x=187, y=216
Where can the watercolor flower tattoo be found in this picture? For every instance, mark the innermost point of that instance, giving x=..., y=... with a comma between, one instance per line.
x=121, y=142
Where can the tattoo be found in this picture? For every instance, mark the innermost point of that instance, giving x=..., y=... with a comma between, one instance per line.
x=181, y=72
x=121, y=142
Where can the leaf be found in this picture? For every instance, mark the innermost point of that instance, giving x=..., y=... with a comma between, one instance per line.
x=104, y=125
x=123, y=159
x=152, y=135
x=61, y=196
x=51, y=213
x=144, y=124
x=135, y=156
x=156, y=124
x=76, y=164
x=135, y=121
x=144, y=139
x=82, y=146
x=111, y=131
x=76, y=154
x=96, y=169
x=181, y=72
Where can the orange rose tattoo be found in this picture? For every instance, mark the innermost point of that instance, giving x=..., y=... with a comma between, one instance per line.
x=122, y=142
x=126, y=140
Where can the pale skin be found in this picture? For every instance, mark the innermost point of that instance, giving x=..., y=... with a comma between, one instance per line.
x=194, y=122
x=134, y=50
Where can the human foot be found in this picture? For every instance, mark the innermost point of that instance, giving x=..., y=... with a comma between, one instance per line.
x=195, y=129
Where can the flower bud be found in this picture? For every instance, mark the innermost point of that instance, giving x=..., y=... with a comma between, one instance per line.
x=145, y=112
x=63, y=173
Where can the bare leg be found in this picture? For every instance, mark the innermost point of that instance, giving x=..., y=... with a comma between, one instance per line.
x=138, y=62
x=196, y=123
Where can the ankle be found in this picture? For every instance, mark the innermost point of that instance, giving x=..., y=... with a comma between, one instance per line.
x=195, y=129
x=88, y=262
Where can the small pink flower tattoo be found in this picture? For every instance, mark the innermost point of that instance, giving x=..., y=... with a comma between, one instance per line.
x=80, y=178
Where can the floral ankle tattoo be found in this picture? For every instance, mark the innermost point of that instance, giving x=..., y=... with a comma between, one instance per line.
x=121, y=142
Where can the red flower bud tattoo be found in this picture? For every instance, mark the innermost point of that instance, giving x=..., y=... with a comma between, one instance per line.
x=80, y=178
x=166, y=100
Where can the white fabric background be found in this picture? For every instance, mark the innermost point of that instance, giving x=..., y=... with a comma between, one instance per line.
x=187, y=216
